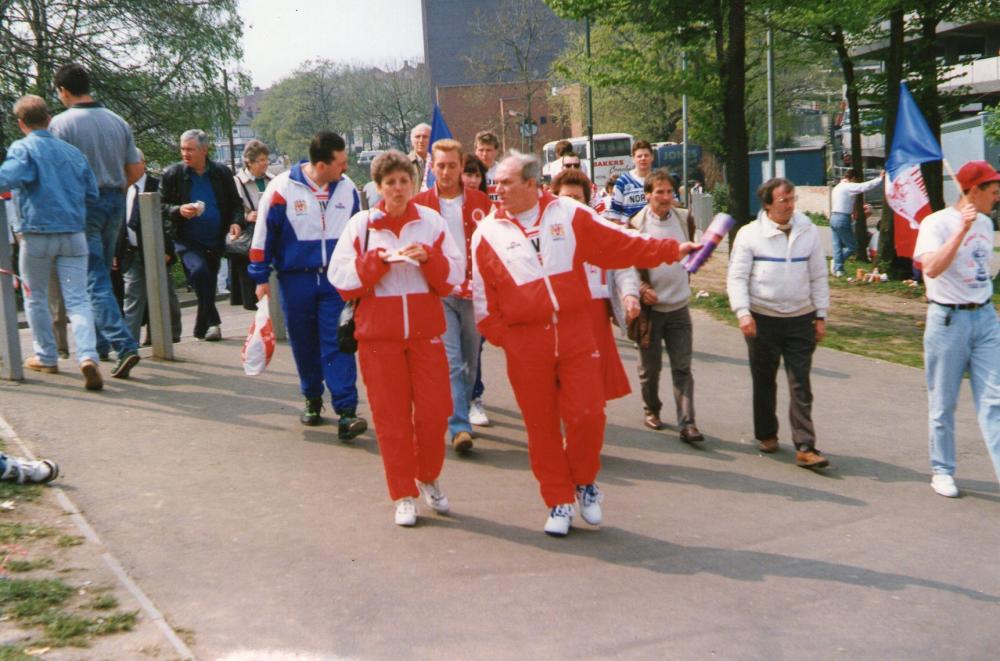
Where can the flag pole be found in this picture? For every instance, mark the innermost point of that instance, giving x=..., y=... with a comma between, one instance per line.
x=954, y=179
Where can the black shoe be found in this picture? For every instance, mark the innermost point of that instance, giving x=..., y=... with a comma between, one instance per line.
x=310, y=416
x=350, y=425
x=126, y=361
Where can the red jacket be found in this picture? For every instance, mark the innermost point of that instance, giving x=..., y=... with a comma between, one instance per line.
x=512, y=286
x=475, y=206
x=397, y=300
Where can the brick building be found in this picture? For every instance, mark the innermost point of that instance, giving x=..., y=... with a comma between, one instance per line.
x=472, y=101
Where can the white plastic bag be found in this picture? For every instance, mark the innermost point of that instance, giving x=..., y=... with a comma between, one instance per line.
x=259, y=346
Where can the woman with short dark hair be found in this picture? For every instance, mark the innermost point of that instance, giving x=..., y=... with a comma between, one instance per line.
x=396, y=261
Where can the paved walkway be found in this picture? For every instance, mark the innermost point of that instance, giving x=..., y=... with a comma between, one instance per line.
x=259, y=535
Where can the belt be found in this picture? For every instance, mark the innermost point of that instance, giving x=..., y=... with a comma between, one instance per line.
x=960, y=306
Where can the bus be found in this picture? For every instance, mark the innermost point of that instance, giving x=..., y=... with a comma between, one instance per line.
x=613, y=150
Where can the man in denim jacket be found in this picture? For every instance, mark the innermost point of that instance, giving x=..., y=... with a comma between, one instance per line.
x=55, y=184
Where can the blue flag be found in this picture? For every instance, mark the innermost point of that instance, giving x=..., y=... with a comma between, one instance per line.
x=912, y=143
x=439, y=131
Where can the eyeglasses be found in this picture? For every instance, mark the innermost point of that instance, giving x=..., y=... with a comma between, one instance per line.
x=786, y=199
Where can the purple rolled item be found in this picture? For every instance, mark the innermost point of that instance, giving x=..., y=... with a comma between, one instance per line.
x=721, y=224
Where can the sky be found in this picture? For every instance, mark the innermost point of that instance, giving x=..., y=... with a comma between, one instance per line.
x=279, y=35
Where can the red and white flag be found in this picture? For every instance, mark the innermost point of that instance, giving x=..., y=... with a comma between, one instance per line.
x=906, y=195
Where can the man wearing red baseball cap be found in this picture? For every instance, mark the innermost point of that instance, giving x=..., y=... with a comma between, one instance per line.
x=962, y=331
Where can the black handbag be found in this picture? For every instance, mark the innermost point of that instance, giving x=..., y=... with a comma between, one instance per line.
x=240, y=246
x=346, y=342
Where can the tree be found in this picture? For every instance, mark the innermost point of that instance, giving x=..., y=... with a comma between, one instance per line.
x=823, y=27
x=713, y=34
x=157, y=64
x=516, y=43
x=368, y=106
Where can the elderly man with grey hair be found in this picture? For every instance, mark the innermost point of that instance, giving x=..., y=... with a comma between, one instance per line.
x=200, y=207
x=531, y=298
x=420, y=139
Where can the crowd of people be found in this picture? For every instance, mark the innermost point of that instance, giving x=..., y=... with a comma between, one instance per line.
x=490, y=251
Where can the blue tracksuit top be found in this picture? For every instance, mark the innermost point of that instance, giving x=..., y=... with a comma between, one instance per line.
x=296, y=229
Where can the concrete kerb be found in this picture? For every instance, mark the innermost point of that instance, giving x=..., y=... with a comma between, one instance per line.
x=151, y=611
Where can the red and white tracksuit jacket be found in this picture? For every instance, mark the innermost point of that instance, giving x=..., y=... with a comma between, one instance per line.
x=532, y=298
x=475, y=206
x=398, y=323
x=613, y=376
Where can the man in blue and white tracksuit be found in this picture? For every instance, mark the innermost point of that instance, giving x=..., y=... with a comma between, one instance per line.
x=629, y=195
x=304, y=211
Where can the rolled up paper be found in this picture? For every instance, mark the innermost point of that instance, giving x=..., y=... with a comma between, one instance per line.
x=721, y=224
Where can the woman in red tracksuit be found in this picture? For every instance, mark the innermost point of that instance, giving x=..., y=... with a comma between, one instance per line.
x=397, y=261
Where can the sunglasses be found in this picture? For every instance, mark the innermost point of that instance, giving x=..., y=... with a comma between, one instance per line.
x=571, y=165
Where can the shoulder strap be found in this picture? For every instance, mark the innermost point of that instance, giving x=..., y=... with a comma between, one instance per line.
x=249, y=199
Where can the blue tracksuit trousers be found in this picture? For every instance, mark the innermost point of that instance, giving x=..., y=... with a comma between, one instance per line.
x=312, y=311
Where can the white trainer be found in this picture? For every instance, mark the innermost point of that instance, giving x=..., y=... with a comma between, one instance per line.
x=406, y=512
x=213, y=334
x=433, y=496
x=560, y=519
x=477, y=415
x=590, y=498
x=20, y=470
x=944, y=485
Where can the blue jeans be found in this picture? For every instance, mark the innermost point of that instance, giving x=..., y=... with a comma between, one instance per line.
x=104, y=220
x=844, y=242
x=956, y=341
x=68, y=251
x=312, y=313
x=479, y=388
x=461, y=345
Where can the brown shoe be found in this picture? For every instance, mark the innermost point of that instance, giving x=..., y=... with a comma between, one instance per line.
x=810, y=459
x=92, y=379
x=690, y=434
x=653, y=421
x=768, y=445
x=33, y=363
x=461, y=442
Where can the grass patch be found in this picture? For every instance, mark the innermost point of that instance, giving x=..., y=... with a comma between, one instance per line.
x=104, y=602
x=12, y=653
x=21, y=566
x=41, y=603
x=16, y=532
x=865, y=332
x=25, y=493
x=65, y=541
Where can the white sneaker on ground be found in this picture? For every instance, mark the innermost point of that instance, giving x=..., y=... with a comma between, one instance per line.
x=213, y=334
x=944, y=485
x=25, y=471
x=590, y=497
x=560, y=518
x=406, y=512
x=433, y=496
x=838, y=274
x=477, y=415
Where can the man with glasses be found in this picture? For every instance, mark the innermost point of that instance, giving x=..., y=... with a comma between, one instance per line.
x=778, y=288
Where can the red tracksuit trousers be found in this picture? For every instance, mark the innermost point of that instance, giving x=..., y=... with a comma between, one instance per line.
x=410, y=397
x=555, y=371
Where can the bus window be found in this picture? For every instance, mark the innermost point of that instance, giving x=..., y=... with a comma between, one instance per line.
x=606, y=148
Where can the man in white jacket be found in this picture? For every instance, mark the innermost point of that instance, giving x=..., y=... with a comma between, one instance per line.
x=778, y=289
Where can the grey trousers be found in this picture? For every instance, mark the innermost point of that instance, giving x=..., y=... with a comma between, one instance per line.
x=673, y=330
x=134, y=275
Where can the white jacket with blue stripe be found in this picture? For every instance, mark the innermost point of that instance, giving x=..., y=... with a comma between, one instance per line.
x=778, y=275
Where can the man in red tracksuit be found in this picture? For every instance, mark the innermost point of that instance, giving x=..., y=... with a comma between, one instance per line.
x=531, y=297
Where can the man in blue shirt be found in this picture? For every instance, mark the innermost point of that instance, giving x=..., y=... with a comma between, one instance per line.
x=106, y=141
x=200, y=206
x=629, y=195
x=55, y=186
